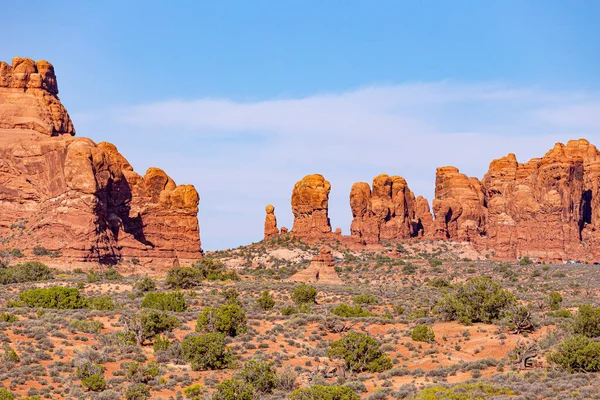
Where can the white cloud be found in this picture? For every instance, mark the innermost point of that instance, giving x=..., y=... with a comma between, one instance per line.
x=243, y=155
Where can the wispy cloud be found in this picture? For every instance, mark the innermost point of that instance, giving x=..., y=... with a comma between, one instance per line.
x=244, y=155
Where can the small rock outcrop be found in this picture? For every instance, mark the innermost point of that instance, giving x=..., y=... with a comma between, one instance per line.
x=387, y=212
x=270, y=223
x=77, y=197
x=310, y=202
x=320, y=270
x=28, y=98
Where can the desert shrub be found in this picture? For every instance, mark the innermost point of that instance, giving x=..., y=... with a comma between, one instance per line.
x=214, y=270
x=587, y=321
x=183, y=278
x=463, y=391
x=360, y=352
x=5, y=394
x=232, y=296
x=433, y=262
x=102, y=303
x=364, y=298
x=234, y=389
x=136, y=372
x=86, y=326
x=108, y=274
x=439, y=283
x=206, y=352
x=94, y=382
x=57, y=297
x=304, y=294
x=260, y=374
x=561, y=314
x=344, y=310
x=324, y=393
x=288, y=310
x=31, y=271
x=229, y=319
x=477, y=300
x=138, y=392
x=144, y=285
x=42, y=251
x=6, y=317
x=577, y=354
x=193, y=392
x=149, y=324
x=170, y=301
x=266, y=301
x=422, y=333
x=554, y=300
x=525, y=261
x=10, y=355
x=161, y=343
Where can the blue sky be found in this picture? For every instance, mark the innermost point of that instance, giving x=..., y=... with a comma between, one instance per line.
x=243, y=98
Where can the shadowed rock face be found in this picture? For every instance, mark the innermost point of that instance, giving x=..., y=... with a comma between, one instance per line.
x=28, y=98
x=310, y=200
x=548, y=207
x=389, y=212
x=79, y=197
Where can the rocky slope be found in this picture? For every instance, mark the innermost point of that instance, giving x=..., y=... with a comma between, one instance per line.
x=78, y=197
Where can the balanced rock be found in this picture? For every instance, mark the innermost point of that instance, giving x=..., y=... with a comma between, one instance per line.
x=310, y=201
x=270, y=223
x=387, y=212
x=28, y=98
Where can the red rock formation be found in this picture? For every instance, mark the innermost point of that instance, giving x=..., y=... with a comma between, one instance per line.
x=458, y=206
x=78, y=197
x=270, y=223
x=547, y=208
x=389, y=212
x=310, y=199
x=320, y=270
x=423, y=214
x=28, y=98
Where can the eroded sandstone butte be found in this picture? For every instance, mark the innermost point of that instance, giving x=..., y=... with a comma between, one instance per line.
x=389, y=211
x=78, y=197
x=270, y=223
x=547, y=208
x=310, y=201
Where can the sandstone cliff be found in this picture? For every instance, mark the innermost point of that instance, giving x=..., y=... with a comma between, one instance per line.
x=310, y=201
x=547, y=208
x=390, y=211
x=73, y=195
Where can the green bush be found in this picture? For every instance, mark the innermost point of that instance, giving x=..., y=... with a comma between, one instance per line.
x=288, y=310
x=57, y=297
x=94, y=382
x=525, y=261
x=102, y=303
x=171, y=301
x=149, y=324
x=360, y=352
x=344, y=310
x=10, y=355
x=183, y=278
x=6, y=317
x=266, y=301
x=234, y=389
x=422, y=333
x=161, y=343
x=554, y=300
x=587, y=321
x=136, y=372
x=463, y=391
x=319, y=392
x=229, y=319
x=31, y=271
x=193, y=392
x=260, y=374
x=146, y=284
x=138, y=392
x=206, y=352
x=5, y=394
x=477, y=300
x=364, y=299
x=577, y=354
x=108, y=274
x=85, y=326
x=304, y=294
